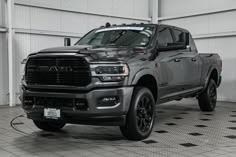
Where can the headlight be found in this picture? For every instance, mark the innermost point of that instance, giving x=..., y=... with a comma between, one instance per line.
x=110, y=72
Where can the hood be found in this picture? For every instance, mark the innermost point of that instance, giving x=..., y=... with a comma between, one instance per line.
x=108, y=53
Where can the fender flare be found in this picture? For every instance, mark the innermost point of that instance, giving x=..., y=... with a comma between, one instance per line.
x=143, y=72
x=209, y=75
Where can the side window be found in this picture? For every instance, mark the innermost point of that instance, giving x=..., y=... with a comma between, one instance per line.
x=179, y=36
x=165, y=38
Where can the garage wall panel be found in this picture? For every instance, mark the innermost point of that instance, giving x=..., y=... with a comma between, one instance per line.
x=185, y=7
x=221, y=4
x=181, y=7
x=2, y=13
x=3, y=58
x=141, y=8
x=124, y=8
x=3, y=70
x=222, y=22
x=78, y=5
x=22, y=17
x=76, y=23
x=127, y=9
x=100, y=6
x=44, y=19
x=49, y=3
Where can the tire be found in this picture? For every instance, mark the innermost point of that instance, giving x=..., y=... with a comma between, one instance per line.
x=141, y=116
x=49, y=126
x=207, y=100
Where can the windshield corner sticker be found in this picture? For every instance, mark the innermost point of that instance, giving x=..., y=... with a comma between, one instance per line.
x=120, y=28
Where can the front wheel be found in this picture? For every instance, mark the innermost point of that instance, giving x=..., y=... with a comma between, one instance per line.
x=141, y=115
x=49, y=126
x=207, y=100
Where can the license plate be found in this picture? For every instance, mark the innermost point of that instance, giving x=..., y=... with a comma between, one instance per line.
x=51, y=113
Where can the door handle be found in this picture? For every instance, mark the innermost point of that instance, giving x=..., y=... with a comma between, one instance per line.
x=177, y=60
x=194, y=59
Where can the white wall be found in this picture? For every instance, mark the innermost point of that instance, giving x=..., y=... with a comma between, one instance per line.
x=3, y=58
x=2, y=13
x=3, y=70
x=40, y=24
x=214, y=32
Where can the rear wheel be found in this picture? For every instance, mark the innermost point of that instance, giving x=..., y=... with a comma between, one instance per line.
x=141, y=115
x=207, y=100
x=49, y=126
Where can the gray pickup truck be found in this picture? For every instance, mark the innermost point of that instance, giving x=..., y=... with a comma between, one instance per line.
x=115, y=75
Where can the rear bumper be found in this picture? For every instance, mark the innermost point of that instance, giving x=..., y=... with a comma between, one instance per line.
x=93, y=113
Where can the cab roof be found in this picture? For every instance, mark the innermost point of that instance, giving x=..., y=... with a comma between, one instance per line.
x=144, y=24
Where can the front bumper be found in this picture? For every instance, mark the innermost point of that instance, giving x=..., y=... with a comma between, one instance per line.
x=93, y=114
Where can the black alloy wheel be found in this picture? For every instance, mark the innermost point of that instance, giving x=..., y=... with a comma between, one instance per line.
x=141, y=116
x=144, y=114
x=208, y=98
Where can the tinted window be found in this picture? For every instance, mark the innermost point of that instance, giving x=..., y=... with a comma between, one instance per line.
x=165, y=37
x=179, y=36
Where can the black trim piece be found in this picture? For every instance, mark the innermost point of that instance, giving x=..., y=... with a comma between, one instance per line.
x=77, y=91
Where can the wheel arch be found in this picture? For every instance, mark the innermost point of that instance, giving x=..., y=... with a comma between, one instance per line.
x=147, y=79
x=212, y=74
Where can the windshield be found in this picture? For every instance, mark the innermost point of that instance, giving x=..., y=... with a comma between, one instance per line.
x=118, y=36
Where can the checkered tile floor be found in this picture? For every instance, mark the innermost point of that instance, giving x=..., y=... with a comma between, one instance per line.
x=180, y=130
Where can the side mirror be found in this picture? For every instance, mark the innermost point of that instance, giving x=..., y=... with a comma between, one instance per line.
x=67, y=42
x=24, y=61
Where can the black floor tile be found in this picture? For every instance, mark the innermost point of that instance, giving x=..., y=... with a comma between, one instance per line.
x=233, y=121
x=150, y=141
x=234, y=111
x=183, y=113
x=161, y=131
x=178, y=118
x=188, y=145
x=208, y=114
x=160, y=112
x=205, y=119
x=201, y=126
x=170, y=124
x=233, y=115
x=231, y=136
x=46, y=135
x=232, y=128
x=195, y=134
x=19, y=123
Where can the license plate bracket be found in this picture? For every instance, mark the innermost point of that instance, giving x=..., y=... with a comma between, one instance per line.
x=52, y=113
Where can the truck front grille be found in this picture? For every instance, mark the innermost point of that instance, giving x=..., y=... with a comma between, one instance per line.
x=64, y=71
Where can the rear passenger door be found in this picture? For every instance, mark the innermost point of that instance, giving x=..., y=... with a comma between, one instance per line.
x=189, y=60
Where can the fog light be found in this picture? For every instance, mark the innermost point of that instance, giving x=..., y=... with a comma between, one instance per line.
x=81, y=105
x=29, y=101
x=108, y=101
